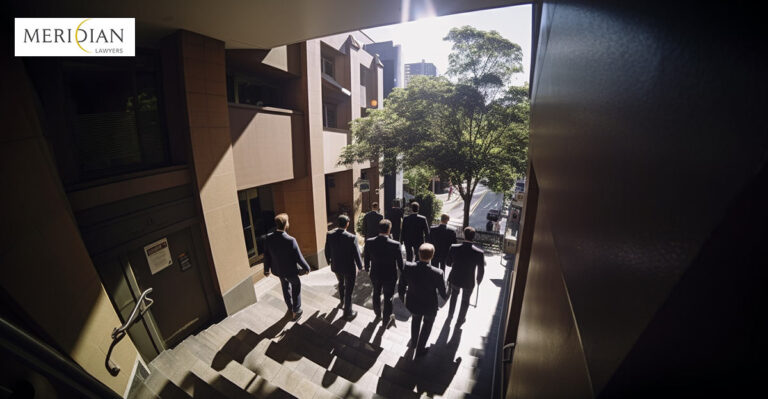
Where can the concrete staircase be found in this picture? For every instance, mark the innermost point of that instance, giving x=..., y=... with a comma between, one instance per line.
x=259, y=352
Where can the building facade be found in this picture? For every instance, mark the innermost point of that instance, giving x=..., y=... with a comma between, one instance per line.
x=419, y=68
x=165, y=171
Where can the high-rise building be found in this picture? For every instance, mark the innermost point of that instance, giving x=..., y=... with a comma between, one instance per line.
x=419, y=68
x=390, y=56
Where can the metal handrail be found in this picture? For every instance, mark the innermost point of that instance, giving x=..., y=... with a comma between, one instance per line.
x=38, y=355
x=119, y=332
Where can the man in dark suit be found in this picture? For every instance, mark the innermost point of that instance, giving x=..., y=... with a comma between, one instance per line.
x=371, y=221
x=423, y=283
x=464, y=259
x=415, y=231
x=442, y=237
x=395, y=215
x=281, y=257
x=342, y=253
x=383, y=259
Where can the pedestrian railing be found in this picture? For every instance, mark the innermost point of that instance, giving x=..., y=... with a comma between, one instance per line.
x=118, y=333
x=488, y=240
x=29, y=351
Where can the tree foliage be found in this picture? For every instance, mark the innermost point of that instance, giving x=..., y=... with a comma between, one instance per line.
x=470, y=129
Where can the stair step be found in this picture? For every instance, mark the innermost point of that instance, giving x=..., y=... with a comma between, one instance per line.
x=390, y=359
x=261, y=361
x=141, y=391
x=219, y=361
x=324, y=301
x=387, y=365
x=213, y=385
x=260, y=352
x=335, y=365
x=337, y=375
x=162, y=386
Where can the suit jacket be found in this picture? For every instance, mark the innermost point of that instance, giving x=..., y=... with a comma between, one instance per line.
x=371, y=224
x=341, y=251
x=442, y=238
x=282, y=255
x=464, y=258
x=395, y=215
x=415, y=230
x=383, y=258
x=423, y=283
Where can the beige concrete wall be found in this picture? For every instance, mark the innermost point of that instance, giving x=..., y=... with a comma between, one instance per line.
x=203, y=63
x=333, y=143
x=46, y=268
x=262, y=145
x=314, y=115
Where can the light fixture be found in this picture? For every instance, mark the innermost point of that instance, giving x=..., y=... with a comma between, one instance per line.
x=374, y=103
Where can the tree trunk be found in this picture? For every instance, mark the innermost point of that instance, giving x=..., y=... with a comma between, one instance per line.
x=467, y=205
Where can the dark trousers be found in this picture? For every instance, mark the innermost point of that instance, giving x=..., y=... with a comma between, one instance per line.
x=466, y=293
x=388, y=289
x=410, y=250
x=346, y=285
x=439, y=262
x=420, y=332
x=291, y=292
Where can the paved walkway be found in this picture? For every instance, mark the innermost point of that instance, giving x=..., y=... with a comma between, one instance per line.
x=463, y=357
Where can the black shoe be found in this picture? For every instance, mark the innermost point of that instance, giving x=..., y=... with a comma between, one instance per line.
x=388, y=322
x=351, y=315
x=297, y=315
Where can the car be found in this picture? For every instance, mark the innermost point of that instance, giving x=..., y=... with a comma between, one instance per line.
x=520, y=186
x=493, y=215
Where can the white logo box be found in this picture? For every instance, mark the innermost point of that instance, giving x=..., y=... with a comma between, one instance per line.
x=75, y=37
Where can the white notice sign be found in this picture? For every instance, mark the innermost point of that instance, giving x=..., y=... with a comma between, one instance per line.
x=158, y=255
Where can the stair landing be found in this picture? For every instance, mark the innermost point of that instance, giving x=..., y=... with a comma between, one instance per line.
x=260, y=352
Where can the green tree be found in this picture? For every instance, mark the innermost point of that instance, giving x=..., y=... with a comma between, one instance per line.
x=470, y=129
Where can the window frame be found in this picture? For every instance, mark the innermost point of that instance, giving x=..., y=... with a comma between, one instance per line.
x=326, y=63
x=330, y=109
x=133, y=68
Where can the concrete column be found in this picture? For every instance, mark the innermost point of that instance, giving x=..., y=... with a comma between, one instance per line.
x=304, y=199
x=378, y=68
x=354, y=62
x=204, y=78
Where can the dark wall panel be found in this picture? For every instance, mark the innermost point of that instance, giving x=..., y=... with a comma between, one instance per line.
x=646, y=127
x=549, y=360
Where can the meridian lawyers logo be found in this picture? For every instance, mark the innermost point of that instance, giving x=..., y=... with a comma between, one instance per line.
x=75, y=37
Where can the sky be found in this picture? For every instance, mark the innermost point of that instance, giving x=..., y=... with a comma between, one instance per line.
x=423, y=39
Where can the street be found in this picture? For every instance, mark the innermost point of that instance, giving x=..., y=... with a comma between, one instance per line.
x=483, y=200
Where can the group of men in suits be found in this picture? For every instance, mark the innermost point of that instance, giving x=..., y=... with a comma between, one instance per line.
x=420, y=282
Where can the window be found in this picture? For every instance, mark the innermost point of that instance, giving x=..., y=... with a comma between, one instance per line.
x=329, y=115
x=257, y=215
x=326, y=66
x=116, y=117
x=363, y=76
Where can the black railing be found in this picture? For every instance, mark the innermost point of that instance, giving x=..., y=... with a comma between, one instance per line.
x=119, y=332
x=28, y=350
